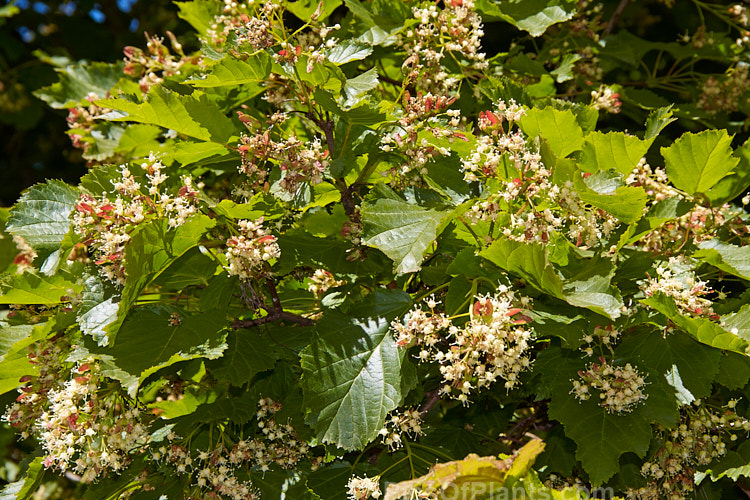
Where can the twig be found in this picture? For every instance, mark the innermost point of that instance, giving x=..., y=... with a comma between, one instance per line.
x=615, y=17
x=270, y=318
x=432, y=399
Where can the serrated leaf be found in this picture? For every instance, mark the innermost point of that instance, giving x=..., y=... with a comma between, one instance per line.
x=355, y=88
x=99, y=307
x=354, y=373
x=697, y=363
x=559, y=128
x=533, y=16
x=613, y=150
x=601, y=437
x=684, y=396
x=41, y=215
x=152, y=248
x=26, y=487
x=564, y=71
x=33, y=288
x=80, y=81
x=735, y=184
x=656, y=121
x=194, y=116
x=594, y=293
x=347, y=51
x=696, y=162
x=472, y=478
x=626, y=203
x=196, y=336
x=248, y=352
x=304, y=9
x=234, y=72
x=199, y=14
x=529, y=261
x=730, y=258
x=703, y=330
x=400, y=230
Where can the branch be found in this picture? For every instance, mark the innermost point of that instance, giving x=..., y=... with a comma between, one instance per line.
x=432, y=399
x=615, y=17
x=270, y=318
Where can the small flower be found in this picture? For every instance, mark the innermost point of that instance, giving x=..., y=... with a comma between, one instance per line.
x=362, y=488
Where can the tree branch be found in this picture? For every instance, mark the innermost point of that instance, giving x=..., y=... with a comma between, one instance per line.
x=615, y=17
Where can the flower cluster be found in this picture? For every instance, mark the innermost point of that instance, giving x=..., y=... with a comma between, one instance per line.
x=696, y=441
x=49, y=357
x=81, y=428
x=362, y=488
x=725, y=94
x=215, y=470
x=321, y=281
x=493, y=344
x=606, y=99
x=408, y=423
x=528, y=206
x=299, y=161
x=248, y=253
x=106, y=223
x=457, y=29
x=424, y=115
x=25, y=255
x=606, y=337
x=156, y=62
x=620, y=388
x=81, y=121
x=678, y=281
x=250, y=24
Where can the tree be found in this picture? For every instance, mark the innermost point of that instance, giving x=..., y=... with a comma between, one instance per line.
x=342, y=252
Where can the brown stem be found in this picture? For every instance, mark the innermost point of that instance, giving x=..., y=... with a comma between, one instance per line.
x=615, y=17
x=433, y=397
x=270, y=318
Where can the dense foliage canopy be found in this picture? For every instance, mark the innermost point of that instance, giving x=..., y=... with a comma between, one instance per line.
x=452, y=250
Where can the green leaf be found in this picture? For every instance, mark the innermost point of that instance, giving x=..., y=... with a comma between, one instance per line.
x=14, y=362
x=196, y=336
x=353, y=372
x=355, y=88
x=41, y=215
x=601, y=437
x=151, y=250
x=739, y=321
x=626, y=203
x=400, y=230
x=559, y=128
x=595, y=293
x=26, y=487
x=529, y=261
x=195, y=267
x=697, y=363
x=704, y=330
x=729, y=258
x=304, y=9
x=613, y=150
x=534, y=16
x=78, y=82
x=195, y=115
x=99, y=307
x=33, y=288
x=248, y=353
x=735, y=184
x=696, y=162
x=347, y=51
x=198, y=13
x=734, y=371
x=657, y=120
x=564, y=71
x=234, y=72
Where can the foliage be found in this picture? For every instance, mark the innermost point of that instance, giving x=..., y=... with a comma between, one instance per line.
x=340, y=251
